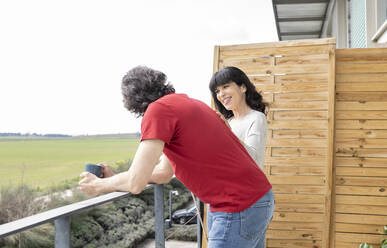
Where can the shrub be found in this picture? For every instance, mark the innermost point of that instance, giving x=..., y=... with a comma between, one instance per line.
x=18, y=202
x=383, y=243
x=38, y=237
x=182, y=232
x=128, y=221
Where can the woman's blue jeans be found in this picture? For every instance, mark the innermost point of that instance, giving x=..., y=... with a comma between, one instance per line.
x=246, y=229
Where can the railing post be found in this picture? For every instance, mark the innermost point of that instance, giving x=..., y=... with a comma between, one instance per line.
x=199, y=226
x=159, y=216
x=62, y=232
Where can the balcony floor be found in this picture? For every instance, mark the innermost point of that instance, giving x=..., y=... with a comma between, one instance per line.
x=150, y=243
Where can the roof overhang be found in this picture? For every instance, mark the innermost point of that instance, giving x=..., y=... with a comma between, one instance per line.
x=302, y=19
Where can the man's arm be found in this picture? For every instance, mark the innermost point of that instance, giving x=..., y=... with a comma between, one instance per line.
x=135, y=179
x=163, y=171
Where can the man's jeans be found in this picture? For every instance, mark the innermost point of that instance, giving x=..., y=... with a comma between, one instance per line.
x=246, y=229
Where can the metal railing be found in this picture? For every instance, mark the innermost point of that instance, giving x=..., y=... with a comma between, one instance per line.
x=61, y=217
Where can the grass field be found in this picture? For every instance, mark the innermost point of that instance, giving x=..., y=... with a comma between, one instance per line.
x=46, y=162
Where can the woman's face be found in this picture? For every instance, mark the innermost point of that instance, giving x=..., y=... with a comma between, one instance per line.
x=231, y=95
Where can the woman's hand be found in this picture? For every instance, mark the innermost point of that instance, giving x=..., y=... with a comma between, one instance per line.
x=222, y=117
x=90, y=184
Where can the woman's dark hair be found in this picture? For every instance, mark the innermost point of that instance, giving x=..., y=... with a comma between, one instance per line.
x=142, y=86
x=233, y=74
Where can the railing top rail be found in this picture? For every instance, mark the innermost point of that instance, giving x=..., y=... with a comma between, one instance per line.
x=41, y=218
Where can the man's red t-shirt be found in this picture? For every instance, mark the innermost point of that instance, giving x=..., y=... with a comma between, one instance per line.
x=205, y=155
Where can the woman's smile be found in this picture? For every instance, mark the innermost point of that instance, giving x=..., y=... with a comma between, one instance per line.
x=226, y=100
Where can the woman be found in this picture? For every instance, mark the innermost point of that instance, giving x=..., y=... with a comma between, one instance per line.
x=241, y=105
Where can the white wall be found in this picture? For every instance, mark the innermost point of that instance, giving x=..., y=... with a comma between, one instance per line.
x=338, y=24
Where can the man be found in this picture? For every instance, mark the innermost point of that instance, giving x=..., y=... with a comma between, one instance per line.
x=203, y=153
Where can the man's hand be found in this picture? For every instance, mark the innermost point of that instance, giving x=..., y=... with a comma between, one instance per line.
x=106, y=170
x=90, y=184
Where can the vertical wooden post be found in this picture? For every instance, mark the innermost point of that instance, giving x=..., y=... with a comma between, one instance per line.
x=216, y=59
x=270, y=117
x=328, y=231
x=215, y=69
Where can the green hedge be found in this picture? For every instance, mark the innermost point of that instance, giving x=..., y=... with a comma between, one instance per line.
x=122, y=223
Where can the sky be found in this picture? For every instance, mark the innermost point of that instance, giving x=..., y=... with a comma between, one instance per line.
x=62, y=62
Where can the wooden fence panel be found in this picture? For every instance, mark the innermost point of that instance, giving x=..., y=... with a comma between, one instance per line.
x=326, y=151
x=295, y=78
x=361, y=147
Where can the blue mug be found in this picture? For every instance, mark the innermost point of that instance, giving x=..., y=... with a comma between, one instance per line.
x=95, y=169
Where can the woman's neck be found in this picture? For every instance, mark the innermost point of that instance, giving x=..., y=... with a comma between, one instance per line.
x=241, y=112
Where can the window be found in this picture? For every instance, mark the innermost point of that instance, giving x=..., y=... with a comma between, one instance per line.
x=381, y=12
x=357, y=24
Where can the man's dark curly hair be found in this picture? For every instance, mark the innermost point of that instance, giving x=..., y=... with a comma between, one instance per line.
x=142, y=86
x=233, y=74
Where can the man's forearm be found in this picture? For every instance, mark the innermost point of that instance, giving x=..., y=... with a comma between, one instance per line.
x=142, y=171
x=119, y=182
x=122, y=181
x=159, y=177
x=135, y=179
x=163, y=172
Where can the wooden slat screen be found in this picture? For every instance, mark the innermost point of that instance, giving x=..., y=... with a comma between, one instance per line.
x=326, y=153
x=295, y=79
x=361, y=147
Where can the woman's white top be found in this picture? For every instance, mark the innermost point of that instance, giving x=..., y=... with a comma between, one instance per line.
x=252, y=131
